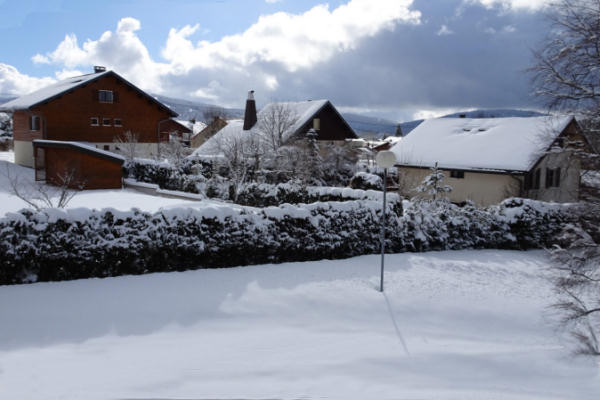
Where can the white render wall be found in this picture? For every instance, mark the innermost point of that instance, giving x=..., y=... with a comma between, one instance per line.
x=484, y=189
x=23, y=153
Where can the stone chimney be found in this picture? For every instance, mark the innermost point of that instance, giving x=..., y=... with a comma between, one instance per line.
x=250, y=113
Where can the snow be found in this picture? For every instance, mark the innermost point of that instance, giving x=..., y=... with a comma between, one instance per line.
x=195, y=127
x=451, y=325
x=512, y=144
x=47, y=92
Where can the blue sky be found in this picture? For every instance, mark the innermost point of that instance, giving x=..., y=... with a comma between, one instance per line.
x=393, y=58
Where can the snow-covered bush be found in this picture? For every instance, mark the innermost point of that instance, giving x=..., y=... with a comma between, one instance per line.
x=58, y=244
x=366, y=181
x=191, y=176
x=6, y=131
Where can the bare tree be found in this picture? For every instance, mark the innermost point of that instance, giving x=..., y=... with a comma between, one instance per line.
x=566, y=77
x=175, y=151
x=275, y=124
x=39, y=195
x=566, y=74
x=127, y=145
x=239, y=153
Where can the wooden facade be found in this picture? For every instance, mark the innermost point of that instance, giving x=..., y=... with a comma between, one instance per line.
x=330, y=125
x=79, y=115
x=88, y=168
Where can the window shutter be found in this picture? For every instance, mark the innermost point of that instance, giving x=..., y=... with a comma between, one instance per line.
x=95, y=95
x=31, y=122
x=115, y=97
x=549, y=177
x=557, y=177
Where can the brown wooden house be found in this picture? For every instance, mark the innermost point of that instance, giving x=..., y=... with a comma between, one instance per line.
x=94, y=109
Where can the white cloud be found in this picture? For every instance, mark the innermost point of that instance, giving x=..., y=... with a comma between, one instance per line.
x=528, y=5
x=12, y=82
x=295, y=41
x=282, y=40
x=444, y=30
x=434, y=113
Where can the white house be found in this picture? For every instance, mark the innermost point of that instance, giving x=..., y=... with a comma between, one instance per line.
x=489, y=159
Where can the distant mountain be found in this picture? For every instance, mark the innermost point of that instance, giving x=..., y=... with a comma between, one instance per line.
x=371, y=127
x=5, y=98
x=188, y=110
x=492, y=113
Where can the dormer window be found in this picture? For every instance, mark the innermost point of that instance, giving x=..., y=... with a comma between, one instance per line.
x=105, y=96
x=34, y=123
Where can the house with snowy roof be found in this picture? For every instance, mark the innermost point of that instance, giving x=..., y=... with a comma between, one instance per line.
x=92, y=110
x=487, y=160
x=281, y=123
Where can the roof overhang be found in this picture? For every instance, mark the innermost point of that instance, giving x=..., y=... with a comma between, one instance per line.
x=80, y=147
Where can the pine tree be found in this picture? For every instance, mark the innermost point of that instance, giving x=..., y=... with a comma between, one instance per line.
x=433, y=184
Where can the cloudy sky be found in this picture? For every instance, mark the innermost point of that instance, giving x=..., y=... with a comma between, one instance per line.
x=395, y=58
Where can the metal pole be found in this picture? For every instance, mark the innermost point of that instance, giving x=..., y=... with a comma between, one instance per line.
x=383, y=228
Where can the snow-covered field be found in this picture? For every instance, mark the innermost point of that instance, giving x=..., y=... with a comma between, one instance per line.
x=452, y=325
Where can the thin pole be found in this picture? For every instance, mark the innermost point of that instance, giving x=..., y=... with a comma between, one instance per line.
x=383, y=228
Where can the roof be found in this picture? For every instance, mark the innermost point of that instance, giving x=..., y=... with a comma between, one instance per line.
x=304, y=111
x=48, y=93
x=82, y=147
x=496, y=144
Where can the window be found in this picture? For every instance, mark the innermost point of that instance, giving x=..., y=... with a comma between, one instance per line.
x=34, y=123
x=549, y=177
x=106, y=122
x=117, y=122
x=105, y=96
x=106, y=147
x=457, y=174
x=537, y=177
x=552, y=177
x=94, y=121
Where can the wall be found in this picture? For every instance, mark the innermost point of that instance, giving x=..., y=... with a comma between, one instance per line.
x=568, y=190
x=90, y=171
x=482, y=188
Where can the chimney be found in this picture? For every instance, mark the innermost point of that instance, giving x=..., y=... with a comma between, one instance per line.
x=462, y=116
x=99, y=68
x=250, y=113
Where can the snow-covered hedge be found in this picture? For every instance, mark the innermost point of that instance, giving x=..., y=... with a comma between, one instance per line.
x=81, y=243
x=189, y=177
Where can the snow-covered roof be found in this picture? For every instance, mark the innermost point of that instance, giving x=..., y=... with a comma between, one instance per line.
x=233, y=131
x=505, y=144
x=48, y=92
x=85, y=147
x=196, y=127
x=303, y=111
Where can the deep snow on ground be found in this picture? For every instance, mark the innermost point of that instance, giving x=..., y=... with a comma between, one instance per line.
x=123, y=200
x=452, y=325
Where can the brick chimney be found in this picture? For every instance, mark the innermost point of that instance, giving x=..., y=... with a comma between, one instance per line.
x=250, y=113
